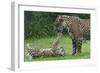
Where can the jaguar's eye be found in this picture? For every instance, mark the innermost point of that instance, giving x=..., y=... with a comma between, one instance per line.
x=61, y=20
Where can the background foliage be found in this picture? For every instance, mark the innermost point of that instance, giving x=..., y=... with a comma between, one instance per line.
x=40, y=24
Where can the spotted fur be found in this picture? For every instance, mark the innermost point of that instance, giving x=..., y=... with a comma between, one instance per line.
x=46, y=52
x=77, y=29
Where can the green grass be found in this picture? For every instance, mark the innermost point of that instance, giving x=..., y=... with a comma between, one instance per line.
x=65, y=42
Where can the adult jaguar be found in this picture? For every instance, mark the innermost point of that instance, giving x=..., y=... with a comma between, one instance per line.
x=77, y=29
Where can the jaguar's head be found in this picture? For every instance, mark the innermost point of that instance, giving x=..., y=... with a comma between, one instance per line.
x=58, y=25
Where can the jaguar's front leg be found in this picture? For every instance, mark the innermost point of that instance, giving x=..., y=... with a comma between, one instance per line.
x=74, y=47
x=77, y=45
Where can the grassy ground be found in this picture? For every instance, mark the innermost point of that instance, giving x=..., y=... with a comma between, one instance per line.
x=64, y=42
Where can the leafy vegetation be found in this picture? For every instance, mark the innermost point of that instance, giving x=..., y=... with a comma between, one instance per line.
x=40, y=24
